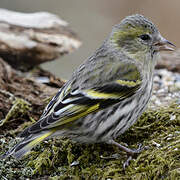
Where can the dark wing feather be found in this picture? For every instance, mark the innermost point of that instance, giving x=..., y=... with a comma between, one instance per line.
x=77, y=105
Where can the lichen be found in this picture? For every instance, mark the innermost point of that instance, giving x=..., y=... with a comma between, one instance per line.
x=159, y=129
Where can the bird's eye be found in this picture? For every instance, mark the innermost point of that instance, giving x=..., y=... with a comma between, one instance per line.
x=145, y=37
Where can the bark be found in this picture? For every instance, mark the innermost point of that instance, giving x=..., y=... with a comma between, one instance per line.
x=23, y=98
x=27, y=40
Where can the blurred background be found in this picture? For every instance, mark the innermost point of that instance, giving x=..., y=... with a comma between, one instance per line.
x=93, y=20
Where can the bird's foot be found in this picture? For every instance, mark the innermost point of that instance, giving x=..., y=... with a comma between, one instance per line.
x=132, y=153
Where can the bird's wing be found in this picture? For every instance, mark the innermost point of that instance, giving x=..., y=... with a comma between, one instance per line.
x=69, y=105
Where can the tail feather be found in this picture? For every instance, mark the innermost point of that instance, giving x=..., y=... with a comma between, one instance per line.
x=27, y=144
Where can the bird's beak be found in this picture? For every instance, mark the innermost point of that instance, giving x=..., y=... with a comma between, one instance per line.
x=163, y=45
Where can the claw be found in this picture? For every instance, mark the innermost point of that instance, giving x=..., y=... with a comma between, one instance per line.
x=131, y=152
x=126, y=163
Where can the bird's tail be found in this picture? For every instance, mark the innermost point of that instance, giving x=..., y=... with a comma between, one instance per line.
x=28, y=143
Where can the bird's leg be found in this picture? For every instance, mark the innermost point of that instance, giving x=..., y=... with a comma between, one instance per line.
x=131, y=152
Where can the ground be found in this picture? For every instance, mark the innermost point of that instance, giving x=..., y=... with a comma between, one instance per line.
x=158, y=129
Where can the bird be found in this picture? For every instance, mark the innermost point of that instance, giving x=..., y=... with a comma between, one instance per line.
x=106, y=94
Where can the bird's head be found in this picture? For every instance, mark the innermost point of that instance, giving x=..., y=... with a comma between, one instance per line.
x=139, y=37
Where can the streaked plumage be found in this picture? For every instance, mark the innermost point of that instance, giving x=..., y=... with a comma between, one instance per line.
x=107, y=93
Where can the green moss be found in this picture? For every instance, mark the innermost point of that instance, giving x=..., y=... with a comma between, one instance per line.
x=20, y=106
x=156, y=129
